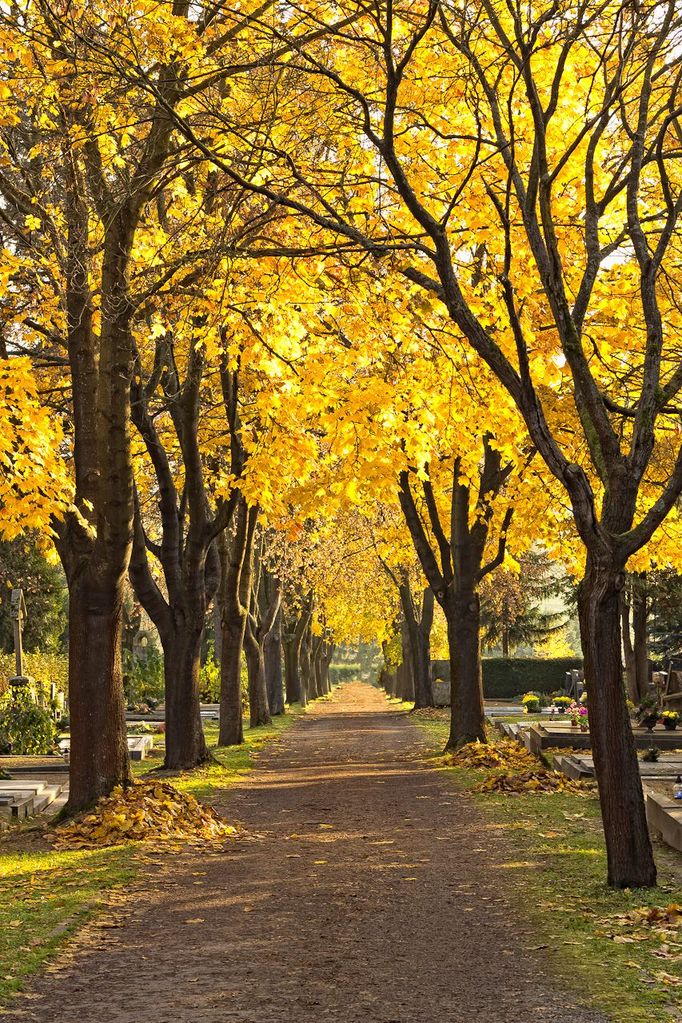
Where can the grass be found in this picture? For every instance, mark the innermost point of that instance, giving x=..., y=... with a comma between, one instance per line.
x=45, y=895
x=556, y=872
x=230, y=763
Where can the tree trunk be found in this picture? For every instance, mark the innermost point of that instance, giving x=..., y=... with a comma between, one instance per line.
x=185, y=741
x=634, y=611
x=272, y=650
x=405, y=674
x=327, y=656
x=419, y=644
x=505, y=641
x=96, y=708
x=640, y=614
x=628, y=846
x=292, y=671
x=628, y=649
x=467, y=712
x=307, y=692
x=231, y=725
x=217, y=632
x=259, y=710
x=316, y=663
x=235, y=588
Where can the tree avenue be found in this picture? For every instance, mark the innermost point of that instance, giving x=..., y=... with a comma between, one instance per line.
x=318, y=315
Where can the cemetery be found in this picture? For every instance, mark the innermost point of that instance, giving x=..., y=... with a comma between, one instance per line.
x=340, y=511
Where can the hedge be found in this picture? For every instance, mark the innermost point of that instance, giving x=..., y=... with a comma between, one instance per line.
x=343, y=672
x=505, y=677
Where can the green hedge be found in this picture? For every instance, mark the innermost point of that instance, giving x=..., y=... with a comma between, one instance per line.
x=505, y=677
x=343, y=672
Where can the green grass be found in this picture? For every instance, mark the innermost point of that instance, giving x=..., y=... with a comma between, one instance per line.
x=231, y=762
x=44, y=897
x=555, y=871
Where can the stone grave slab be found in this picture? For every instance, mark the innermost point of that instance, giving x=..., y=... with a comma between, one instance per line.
x=25, y=764
x=542, y=736
x=581, y=765
x=20, y=799
x=664, y=815
x=138, y=746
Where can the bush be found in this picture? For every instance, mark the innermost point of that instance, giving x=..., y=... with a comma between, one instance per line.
x=209, y=678
x=143, y=678
x=507, y=677
x=43, y=667
x=25, y=728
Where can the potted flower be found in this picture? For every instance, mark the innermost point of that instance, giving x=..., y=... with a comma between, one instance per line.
x=531, y=703
x=573, y=711
x=583, y=720
x=670, y=719
x=561, y=703
x=646, y=714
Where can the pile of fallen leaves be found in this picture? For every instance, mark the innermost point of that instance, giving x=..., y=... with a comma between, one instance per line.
x=512, y=769
x=502, y=754
x=538, y=780
x=143, y=811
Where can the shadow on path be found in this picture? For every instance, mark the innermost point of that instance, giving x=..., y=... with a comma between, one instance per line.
x=365, y=889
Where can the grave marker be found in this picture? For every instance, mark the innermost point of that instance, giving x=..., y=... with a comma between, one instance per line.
x=18, y=616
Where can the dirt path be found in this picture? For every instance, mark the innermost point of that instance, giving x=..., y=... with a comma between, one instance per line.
x=366, y=891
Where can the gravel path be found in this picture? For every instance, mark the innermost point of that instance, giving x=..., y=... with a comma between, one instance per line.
x=364, y=890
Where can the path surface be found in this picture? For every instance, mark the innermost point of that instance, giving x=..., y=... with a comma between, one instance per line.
x=366, y=890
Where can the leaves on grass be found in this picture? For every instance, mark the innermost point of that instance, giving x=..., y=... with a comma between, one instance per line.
x=504, y=753
x=513, y=769
x=144, y=811
x=539, y=780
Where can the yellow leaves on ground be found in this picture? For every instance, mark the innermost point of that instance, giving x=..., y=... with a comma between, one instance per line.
x=659, y=924
x=539, y=780
x=144, y=811
x=512, y=769
x=503, y=753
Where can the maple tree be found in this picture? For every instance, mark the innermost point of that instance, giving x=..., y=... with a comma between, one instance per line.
x=558, y=169
x=74, y=197
x=497, y=183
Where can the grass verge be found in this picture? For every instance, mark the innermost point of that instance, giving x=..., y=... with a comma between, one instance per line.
x=231, y=762
x=620, y=961
x=45, y=895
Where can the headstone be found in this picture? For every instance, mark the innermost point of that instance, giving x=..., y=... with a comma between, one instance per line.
x=441, y=693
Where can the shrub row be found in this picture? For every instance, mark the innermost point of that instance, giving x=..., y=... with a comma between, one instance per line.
x=343, y=672
x=506, y=677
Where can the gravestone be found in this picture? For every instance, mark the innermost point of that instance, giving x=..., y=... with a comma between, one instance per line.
x=18, y=616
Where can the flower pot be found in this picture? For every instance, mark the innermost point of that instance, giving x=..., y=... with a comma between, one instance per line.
x=584, y=728
x=670, y=726
x=562, y=710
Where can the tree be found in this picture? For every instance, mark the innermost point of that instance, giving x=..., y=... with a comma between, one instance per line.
x=555, y=134
x=511, y=607
x=71, y=225
x=23, y=564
